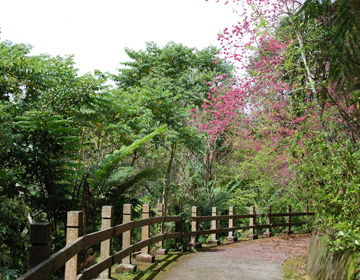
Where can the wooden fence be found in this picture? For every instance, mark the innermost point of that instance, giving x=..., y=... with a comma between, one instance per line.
x=42, y=266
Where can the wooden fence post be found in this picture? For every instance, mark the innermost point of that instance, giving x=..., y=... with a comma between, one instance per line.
x=268, y=232
x=178, y=228
x=231, y=237
x=160, y=244
x=288, y=220
x=307, y=211
x=253, y=234
x=40, y=235
x=126, y=237
x=126, y=242
x=73, y=232
x=105, y=248
x=214, y=226
x=194, y=226
x=160, y=213
x=145, y=230
x=144, y=257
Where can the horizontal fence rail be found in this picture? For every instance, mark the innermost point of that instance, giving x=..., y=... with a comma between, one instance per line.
x=227, y=217
x=68, y=254
x=51, y=265
x=116, y=258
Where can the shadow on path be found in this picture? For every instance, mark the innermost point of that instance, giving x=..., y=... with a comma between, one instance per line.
x=248, y=260
x=155, y=268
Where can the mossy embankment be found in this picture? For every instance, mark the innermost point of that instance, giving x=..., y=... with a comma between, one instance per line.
x=322, y=264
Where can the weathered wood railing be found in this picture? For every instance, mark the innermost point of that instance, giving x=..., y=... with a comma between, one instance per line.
x=68, y=255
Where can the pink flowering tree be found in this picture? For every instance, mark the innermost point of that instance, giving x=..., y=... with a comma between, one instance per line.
x=296, y=91
x=280, y=52
x=255, y=105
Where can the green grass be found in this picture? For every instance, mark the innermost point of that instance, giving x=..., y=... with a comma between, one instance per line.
x=149, y=271
x=294, y=268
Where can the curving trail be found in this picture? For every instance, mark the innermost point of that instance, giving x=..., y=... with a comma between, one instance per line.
x=248, y=260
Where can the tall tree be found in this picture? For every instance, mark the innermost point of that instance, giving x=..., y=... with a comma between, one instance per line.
x=166, y=83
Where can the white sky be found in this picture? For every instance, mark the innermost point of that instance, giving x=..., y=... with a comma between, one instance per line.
x=97, y=32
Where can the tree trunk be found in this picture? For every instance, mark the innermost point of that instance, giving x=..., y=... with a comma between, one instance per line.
x=320, y=102
x=208, y=167
x=167, y=177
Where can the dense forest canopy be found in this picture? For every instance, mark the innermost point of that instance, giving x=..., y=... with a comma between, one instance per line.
x=274, y=122
x=73, y=142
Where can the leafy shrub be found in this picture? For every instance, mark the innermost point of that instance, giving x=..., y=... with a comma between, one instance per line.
x=327, y=176
x=14, y=238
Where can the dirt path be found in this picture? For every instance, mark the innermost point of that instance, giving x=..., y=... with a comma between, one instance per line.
x=250, y=260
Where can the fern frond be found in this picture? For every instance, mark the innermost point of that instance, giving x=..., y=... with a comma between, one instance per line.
x=120, y=188
x=112, y=160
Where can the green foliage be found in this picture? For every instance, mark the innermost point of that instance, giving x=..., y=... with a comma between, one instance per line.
x=14, y=237
x=111, y=179
x=327, y=175
x=43, y=107
x=340, y=23
x=320, y=67
x=42, y=81
x=44, y=159
x=118, y=155
x=71, y=142
x=257, y=177
x=162, y=84
x=13, y=69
